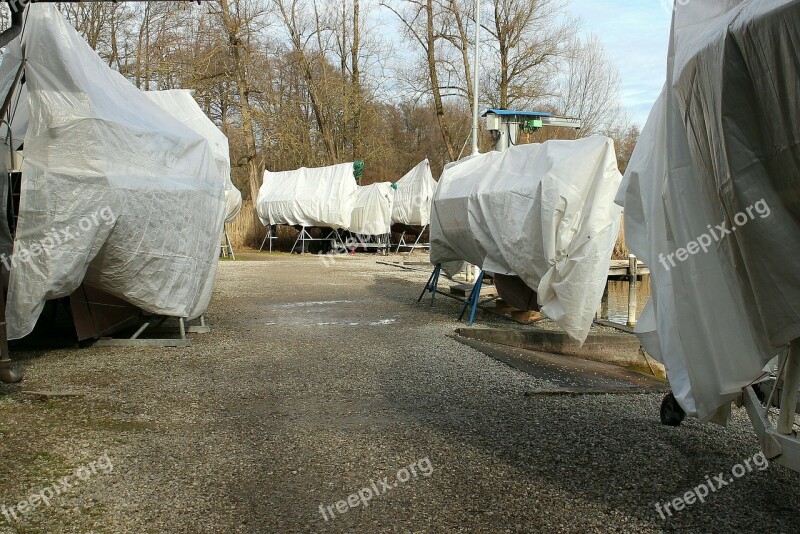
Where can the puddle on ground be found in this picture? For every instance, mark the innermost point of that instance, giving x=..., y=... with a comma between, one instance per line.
x=318, y=313
x=305, y=321
x=307, y=304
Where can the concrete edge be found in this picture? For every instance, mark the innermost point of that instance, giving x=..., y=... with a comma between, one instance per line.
x=617, y=349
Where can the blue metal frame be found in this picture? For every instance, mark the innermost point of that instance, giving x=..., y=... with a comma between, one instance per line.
x=473, y=300
x=433, y=283
x=509, y=112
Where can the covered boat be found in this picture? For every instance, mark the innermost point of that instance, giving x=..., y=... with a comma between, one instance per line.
x=308, y=197
x=115, y=194
x=413, y=197
x=544, y=213
x=372, y=212
x=712, y=200
x=181, y=104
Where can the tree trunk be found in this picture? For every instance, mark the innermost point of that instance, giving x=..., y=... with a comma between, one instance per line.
x=356, y=83
x=434, y=76
x=238, y=52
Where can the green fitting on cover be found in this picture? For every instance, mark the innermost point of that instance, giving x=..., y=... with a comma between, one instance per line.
x=358, y=169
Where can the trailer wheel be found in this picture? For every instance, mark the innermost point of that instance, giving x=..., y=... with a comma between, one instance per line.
x=671, y=412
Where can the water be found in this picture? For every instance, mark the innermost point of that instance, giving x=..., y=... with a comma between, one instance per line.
x=618, y=300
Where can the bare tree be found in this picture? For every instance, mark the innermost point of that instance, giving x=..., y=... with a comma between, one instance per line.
x=589, y=86
x=295, y=18
x=528, y=38
x=240, y=19
x=420, y=22
x=105, y=26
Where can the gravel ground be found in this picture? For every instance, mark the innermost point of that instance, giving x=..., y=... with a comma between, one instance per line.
x=318, y=380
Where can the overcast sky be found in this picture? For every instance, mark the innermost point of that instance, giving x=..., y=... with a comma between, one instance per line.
x=635, y=34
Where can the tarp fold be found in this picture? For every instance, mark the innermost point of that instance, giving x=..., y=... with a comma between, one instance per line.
x=115, y=193
x=712, y=202
x=543, y=212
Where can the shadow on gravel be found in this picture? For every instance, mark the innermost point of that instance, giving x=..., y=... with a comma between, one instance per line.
x=606, y=449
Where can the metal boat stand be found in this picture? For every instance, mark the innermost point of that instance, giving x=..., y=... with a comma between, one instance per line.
x=271, y=236
x=227, y=246
x=778, y=433
x=154, y=325
x=432, y=284
x=304, y=236
x=402, y=243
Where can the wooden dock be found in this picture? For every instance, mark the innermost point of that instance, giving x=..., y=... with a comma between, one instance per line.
x=620, y=270
x=632, y=271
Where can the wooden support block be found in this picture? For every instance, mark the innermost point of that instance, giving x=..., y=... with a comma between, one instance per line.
x=501, y=306
x=526, y=316
x=463, y=290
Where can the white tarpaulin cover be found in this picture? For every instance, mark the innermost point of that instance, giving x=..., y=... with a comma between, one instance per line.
x=542, y=212
x=322, y=196
x=721, y=150
x=372, y=213
x=413, y=197
x=181, y=104
x=115, y=193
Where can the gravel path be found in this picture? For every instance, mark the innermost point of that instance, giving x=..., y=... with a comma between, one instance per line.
x=318, y=380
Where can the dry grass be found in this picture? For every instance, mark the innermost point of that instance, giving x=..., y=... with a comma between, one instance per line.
x=245, y=231
x=620, y=249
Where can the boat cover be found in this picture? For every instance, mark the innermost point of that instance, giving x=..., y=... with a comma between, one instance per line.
x=712, y=200
x=322, y=196
x=372, y=214
x=413, y=197
x=115, y=193
x=181, y=104
x=543, y=212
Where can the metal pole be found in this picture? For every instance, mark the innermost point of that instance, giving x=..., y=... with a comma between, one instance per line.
x=475, y=75
x=633, y=272
x=791, y=382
